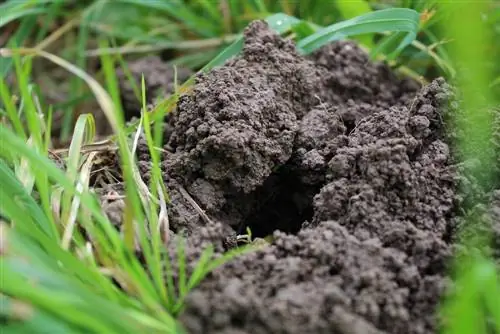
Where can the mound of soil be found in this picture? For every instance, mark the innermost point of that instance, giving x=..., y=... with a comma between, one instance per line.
x=346, y=165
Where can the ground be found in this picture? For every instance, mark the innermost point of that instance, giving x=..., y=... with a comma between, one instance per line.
x=349, y=167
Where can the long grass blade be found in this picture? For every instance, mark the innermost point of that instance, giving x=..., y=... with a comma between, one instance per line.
x=55, y=291
x=82, y=185
x=12, y=189
x=393, y=19
x=83, y=134
x=354, y=8
x=10, y=108
x=17, y=147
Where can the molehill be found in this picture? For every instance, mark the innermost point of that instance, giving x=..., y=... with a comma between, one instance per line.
x=349, y=167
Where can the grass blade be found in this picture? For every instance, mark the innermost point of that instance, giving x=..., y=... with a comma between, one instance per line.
x=15, y=9
x=181, y=262
x=13, y=190
x=229, y=52
x=10, y=108
x=18, y=148
x=154, y=220
x=9, y=17
x=54, y=291
x=200, y=270
x=199, y=273
x=30, y=110
x=83, y=134
x=82, y=185
x=353, y=8
x=388, y=46
x=211, y=8
x=393, y=19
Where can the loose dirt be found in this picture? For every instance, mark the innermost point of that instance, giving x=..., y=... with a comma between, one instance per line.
x=350, y=169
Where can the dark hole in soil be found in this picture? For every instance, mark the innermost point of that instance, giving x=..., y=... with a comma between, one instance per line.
x=350, y=125
x=281, y=203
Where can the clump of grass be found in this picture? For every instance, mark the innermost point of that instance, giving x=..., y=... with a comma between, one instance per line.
x=47, y=264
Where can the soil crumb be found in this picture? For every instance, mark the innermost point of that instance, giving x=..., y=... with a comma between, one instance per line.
x=346, y=165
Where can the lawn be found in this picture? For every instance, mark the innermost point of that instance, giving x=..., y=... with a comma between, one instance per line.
x=220, y=166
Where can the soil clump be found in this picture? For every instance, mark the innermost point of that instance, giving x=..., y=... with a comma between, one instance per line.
x=349, y=167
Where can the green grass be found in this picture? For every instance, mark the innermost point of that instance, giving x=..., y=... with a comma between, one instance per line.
x=191, y=32
x=476, y=295
x=52, y=276
x=43, y=250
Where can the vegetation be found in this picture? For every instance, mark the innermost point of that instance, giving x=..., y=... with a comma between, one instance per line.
x=61, y=255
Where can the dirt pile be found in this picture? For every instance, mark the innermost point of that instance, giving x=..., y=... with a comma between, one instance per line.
x=349, y=162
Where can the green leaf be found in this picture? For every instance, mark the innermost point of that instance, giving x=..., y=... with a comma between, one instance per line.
x=394, y=19
x=83, y=134
x=495, y=82
x=200, y=270
x=26, y=210
x=18, y=147
x=353, y=8
x=281, y=22
x=10, y=107
x=388, y=45
x=34, y=278
x=9, y=17
x=181, y=263
x=15, y=9
x=228, y=53
x=475, y=298
x=211, y=8
x=303, y=30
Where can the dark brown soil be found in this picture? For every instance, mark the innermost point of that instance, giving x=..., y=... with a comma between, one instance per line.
x=350, y=163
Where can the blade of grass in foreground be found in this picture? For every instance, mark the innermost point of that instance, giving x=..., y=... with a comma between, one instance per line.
x=138, y=284
x=473, y=305
x=7, y=100
x=158, y=221
x=70, y=302
x=17, y=148
x=115, y=118
x=83, y=133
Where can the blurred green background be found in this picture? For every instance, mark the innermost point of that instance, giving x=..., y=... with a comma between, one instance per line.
x=190, y=33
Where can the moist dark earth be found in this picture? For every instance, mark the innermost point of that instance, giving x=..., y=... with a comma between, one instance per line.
x=350, y=169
